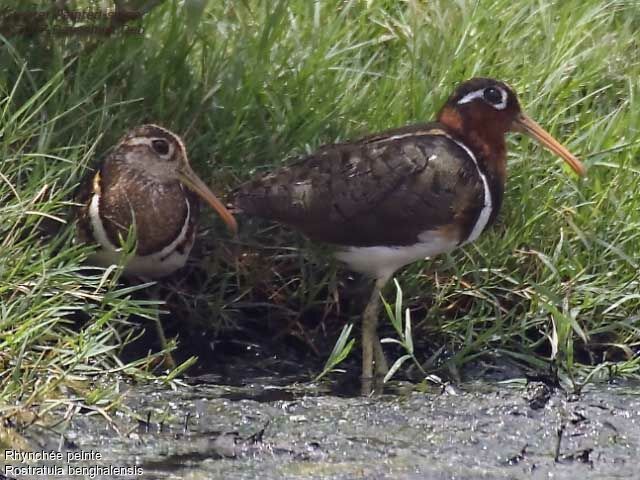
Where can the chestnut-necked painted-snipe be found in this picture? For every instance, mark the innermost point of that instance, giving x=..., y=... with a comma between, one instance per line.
x=392, y=198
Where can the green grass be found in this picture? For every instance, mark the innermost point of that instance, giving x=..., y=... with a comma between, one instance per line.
x=60, y=324
x=253, y=83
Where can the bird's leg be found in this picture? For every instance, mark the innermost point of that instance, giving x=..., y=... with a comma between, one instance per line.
x=381, y=367
x=168, y=359
x=372, y=354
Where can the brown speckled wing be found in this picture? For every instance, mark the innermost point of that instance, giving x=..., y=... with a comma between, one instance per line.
x=385, y=189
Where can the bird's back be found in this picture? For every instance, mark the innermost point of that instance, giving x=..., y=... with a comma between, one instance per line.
x=385, y=189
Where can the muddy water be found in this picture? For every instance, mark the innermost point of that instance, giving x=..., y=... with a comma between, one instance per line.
x=479, y=431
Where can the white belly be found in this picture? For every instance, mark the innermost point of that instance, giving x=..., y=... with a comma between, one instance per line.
x=147, y=266
x=381, y=262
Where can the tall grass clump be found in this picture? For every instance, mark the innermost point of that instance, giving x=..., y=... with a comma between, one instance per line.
x=62, y=324
x=252, y=84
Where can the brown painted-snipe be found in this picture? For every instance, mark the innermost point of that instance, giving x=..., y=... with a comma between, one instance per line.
x=145, y=183
x=147, y=186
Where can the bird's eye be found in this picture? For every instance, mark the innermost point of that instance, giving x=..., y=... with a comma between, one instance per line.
x=492, y=95
x=160, y=146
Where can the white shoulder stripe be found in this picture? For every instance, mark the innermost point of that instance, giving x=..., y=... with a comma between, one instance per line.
x=99, y=233
x=417, y=133
x=485, y=213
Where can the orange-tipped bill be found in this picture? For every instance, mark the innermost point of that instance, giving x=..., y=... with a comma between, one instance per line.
x=191, y=180
x=534, y=130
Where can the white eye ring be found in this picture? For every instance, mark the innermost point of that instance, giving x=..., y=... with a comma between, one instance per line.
x=149, y=142
x=156, y=142
x=470, y=97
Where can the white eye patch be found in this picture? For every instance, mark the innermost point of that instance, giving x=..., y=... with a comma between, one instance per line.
x=148, y=141
x=470, y=97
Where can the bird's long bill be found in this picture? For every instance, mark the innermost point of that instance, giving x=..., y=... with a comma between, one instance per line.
x=534, y=130
x=191, y=180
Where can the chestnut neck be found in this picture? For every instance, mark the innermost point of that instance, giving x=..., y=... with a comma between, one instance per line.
x=484, y=136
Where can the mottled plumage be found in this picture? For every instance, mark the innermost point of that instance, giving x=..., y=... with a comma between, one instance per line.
x=378, y=191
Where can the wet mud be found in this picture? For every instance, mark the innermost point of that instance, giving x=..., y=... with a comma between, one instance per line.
x=501, y=430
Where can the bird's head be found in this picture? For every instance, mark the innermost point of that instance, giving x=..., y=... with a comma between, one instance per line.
x=490, y=108
x=160, y=156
